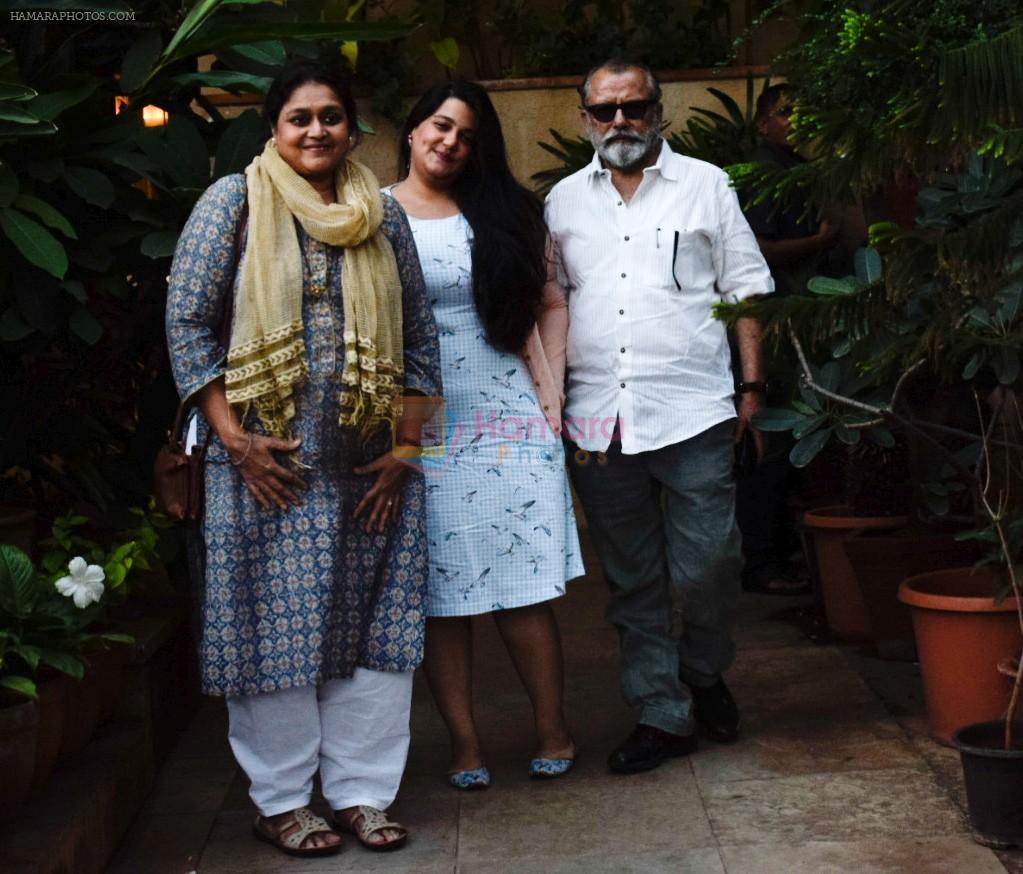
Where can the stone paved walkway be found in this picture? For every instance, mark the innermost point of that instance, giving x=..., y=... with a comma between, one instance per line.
x=833, y=773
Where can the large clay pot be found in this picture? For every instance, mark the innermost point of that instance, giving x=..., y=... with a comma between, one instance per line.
x=52, y=701
x=881, y=561
x=961, y=636
x=843, y=602
x=18, y=724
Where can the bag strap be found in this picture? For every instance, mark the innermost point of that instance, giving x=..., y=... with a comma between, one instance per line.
x=224, y=334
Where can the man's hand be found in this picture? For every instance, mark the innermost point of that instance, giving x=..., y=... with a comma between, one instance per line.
x=827, y=233
x=749, y=404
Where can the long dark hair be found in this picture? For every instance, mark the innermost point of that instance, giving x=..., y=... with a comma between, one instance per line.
x=509, y=264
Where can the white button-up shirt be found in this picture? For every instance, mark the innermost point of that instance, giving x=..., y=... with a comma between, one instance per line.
x=642, y=278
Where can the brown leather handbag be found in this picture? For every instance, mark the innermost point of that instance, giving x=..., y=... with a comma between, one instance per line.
x=178, y=477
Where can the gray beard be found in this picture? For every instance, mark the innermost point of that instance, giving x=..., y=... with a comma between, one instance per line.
x=625, y=154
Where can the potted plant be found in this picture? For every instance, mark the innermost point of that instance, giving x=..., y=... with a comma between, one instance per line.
x=99, y=637
x=918, y=93
x=60, y=649
x=874, y=492
x=992, y=751
x=33, y=635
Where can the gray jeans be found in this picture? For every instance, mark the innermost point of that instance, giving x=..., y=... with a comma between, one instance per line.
x=663, y=525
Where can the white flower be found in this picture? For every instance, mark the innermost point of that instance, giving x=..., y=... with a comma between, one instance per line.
x=85, y=584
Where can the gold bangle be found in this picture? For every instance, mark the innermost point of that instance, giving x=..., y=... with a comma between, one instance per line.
x=245, y=454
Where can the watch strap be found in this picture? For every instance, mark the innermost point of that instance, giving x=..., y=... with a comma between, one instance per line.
x=747, y=387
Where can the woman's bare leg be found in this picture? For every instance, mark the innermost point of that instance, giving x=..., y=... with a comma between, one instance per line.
x=534, y=643
x=448, y=667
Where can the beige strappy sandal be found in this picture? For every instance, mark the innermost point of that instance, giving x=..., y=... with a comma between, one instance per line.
x=308, y=824
x=367, y=821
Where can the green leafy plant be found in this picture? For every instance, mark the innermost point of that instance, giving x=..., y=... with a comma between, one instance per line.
x=721, y=138
x=41, y=629
x=572, y=154
x=91, y=203
x=512, y=38
x=132, y=550
x=924, y=340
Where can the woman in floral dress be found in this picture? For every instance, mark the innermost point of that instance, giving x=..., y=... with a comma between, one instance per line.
x=316, y=559
x=499, y=512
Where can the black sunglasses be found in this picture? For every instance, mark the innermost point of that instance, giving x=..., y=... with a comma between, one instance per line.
x=634, y=110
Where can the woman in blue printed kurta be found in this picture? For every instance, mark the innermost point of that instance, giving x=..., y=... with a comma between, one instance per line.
x=302, y=598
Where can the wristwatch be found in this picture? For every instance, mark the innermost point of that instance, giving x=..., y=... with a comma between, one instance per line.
x=746, y=387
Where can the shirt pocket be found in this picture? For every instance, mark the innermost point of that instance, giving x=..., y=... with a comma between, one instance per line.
x=680, y=257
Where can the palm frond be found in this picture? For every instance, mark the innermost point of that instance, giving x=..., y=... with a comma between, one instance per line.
x=572, y=153
x=731, y=107
x=716, y=138
x=1003, y=143
x=981, y=85
x=816, y=319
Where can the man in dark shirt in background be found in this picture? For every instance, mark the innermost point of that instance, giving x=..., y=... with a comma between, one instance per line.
x=795, y=247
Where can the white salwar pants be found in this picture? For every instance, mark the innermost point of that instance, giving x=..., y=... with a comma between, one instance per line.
x=355, y=731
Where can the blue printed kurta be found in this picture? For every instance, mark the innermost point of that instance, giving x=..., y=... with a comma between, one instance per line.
x=302, y=596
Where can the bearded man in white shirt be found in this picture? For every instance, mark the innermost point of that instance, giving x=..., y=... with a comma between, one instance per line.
x=648, y=242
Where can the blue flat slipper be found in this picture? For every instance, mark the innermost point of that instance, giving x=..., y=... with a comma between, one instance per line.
x=548, y=769
x=476, y=778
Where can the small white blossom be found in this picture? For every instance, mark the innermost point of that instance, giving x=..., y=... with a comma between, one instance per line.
x=85, y=583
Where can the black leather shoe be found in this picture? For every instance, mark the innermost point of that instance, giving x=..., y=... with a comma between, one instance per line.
x=715, y=712
x=647, y=747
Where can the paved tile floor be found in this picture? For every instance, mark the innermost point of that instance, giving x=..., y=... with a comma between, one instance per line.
x=834, y=773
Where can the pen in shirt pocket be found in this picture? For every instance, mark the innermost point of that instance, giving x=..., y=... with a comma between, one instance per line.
x=674, y=255
x=657, y=239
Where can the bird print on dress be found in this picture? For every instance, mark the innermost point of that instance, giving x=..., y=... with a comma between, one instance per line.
x=504, y=379
x=501, y=514
x=479, y=582
x=520, y=511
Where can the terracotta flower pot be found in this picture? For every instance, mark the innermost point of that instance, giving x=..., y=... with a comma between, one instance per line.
x=961, y=636
x=18, y=724
x=843, y=601
x=881, y=561
x=52, y=701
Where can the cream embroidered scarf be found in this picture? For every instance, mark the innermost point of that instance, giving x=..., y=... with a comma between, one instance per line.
x=267, y=355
